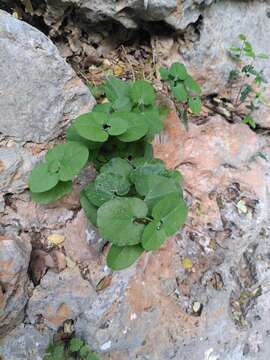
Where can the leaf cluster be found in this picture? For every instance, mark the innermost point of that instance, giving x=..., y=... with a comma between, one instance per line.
x=134, y=201
x=184, y=88
x=74, y=349
x=252, y=81
x=136, y=205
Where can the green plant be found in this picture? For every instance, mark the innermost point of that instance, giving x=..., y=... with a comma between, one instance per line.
x=73, y=349
x=185, y=90
x=252, y=81
x=134, y=201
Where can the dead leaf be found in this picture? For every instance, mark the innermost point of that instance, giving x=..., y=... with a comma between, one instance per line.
x=187, y=263
x=104, y=283
x=118, y=70
x=56, y=239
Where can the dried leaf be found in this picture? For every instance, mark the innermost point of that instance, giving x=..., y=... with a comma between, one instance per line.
x=118, y=70
x=104, y=283
x=56, y=239
x=187, y=263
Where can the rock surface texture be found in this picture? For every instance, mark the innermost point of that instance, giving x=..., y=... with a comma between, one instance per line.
x=205, y=294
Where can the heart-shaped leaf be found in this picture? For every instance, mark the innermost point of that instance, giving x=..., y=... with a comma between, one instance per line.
x=72, y=135
x=171, y=211
x=119, y=220
x=98, y=126
x=164, y=73
x=122, y=104
x=179, y=92
x=153, y=236
x=142, y=93
x=71, y=156
x=121, y=257
x=56, y=193
x=112, y=184
x=178, y=71
x=160, y=188
x=195, y=105
x=153, y=120
x=97, y=197
x=192, y=86
x=137, y=127
x=41, y=179
x=117, y=166
x=105, y=108
x=89, y=209
x=116, y=89
x=92, y=126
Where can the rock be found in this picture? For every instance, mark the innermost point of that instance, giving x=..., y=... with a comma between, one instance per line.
x=40, y=93
x=14, y=282
x=54, y=300
x=82, y=243
x=222, y=23
x=25, y=342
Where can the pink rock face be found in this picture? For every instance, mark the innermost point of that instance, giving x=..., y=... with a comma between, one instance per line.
x=210, y=157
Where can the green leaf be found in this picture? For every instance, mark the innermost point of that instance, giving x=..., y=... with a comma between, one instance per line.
x=179, y=92
x=84, y=351
x=171, y=211
x=72, y=157
x=242, y=37
x=153, y=120
x=91, y=126
x=72, y=135
x=75, y=344
x=137, y=127
x=192, y=86
x=56, y=193
x=105, y=108
x=122, y=104
x=97, y=91
x=112, y=184
x=159, y=188
x=249, y=121
x=195, y=105
x=118, y=220
x=153, y=236
x=245, y=91
x=122, y=257
x=97, y=126
x=116, y=89
x=234, y=75
x=97, y=197
x=263, y=56
x=178, y=71
x=41, y=180
x=117, y=166
x=175, y=175
x=164, y=73
x=89, y=209
x=142, y=92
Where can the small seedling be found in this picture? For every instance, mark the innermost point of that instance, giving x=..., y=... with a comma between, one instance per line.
x=252, y=81
x=135, y=202
x=74, y=349
x=185, y=90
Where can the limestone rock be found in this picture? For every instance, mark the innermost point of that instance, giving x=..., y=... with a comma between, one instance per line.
x=14, y=282
x=222, y=22
x=60, y=297
x=25, y=342
x=40, y=93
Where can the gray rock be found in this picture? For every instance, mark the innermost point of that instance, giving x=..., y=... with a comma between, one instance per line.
x=39, y=92
x=14, y=260
x=16, y=163
x=222, y=23
x=25, y=343
x=60, y=297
